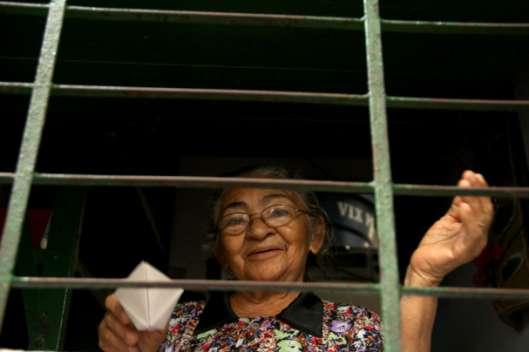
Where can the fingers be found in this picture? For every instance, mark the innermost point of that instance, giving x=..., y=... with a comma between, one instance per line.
x=110, y=342
x=475, y=237
x=125, y=332
x=115, y=330
x=151, y=340
x=475, y=214
x=113, y=306
x=481, y=205
x=487, y=202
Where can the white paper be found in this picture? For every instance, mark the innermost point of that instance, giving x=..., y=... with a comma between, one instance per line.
x=148, y=308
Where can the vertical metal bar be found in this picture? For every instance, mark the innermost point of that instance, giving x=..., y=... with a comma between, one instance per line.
x=389, y=280
x=29, y=149
x=47, y=310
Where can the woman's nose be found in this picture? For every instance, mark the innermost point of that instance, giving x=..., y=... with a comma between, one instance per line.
x=257, y=228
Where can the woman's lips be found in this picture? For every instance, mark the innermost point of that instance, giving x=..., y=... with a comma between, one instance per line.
x=264, y=253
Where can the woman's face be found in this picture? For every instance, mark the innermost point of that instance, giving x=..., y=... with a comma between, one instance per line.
x=262, y=252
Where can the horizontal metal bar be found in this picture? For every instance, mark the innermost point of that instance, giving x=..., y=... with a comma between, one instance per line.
x=223, y=285
x=6, y=177
x=441, y=191
x=233, y=18
x=16, y=88
x=269, y=96
x=23, y=8
x=468, y=292
x=192, y=284
x=200, y=182
x=225, y=18
x=179, y=16
x=53, y=179
x=211, y=94
x=193, y=93
x=457, y=104
x=445, y=27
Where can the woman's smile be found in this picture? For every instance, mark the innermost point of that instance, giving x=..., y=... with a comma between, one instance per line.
x=265, y=252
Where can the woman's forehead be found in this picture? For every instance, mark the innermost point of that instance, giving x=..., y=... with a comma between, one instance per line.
x=260, y=196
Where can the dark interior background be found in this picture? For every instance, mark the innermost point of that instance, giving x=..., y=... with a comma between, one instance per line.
x=186, y=137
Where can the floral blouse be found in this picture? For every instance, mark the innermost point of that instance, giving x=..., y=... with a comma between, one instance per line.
x=307, y=324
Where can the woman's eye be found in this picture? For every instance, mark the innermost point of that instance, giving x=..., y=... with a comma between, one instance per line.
x=234, y=220
x=279, y=212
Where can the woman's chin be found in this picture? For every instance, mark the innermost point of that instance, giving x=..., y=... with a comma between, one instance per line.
x=269, y=273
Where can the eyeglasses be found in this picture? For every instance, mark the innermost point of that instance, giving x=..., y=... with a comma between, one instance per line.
x=273, y=216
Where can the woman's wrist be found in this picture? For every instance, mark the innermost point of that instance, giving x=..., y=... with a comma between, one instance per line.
x=416, y=278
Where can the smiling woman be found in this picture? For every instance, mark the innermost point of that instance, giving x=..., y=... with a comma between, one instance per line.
x=267, y=235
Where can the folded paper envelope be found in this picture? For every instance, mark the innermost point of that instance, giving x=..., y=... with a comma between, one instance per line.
x=148, y=308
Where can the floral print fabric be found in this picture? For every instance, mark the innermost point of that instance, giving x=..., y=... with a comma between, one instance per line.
x=344, y=328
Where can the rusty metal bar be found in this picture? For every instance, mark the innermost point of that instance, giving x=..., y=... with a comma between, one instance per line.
x=419, y=190
x=29, y=149
x=387, y=251
x=269, y=96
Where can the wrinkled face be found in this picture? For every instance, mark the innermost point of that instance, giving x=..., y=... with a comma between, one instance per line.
x=262, y=252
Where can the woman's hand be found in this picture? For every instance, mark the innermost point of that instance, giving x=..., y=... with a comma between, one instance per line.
x=455, y=239
x=116, y=332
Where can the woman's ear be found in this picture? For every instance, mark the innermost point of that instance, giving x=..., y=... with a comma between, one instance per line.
x=318, y=235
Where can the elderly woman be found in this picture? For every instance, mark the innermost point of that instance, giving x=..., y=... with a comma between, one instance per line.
x=267, y=234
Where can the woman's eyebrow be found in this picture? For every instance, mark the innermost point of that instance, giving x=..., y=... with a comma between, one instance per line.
x=271, y=197
x=234, y=205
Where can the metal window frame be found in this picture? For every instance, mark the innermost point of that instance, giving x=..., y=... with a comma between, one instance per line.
x=376, y=99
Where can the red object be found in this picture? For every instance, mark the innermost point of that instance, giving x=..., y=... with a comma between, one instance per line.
x=36, y=219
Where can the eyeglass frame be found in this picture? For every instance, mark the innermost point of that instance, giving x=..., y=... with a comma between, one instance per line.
x=252, y=215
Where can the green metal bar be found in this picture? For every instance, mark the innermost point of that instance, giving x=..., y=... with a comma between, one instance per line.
x=269, y=96
x=29, y=148
x=445, y=27
x=387, y=252
x=47, y=310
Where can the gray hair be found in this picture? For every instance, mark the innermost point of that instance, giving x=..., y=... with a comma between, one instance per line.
x=309, y=199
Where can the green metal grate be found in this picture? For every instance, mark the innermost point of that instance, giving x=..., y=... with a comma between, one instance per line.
x=376, y=99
